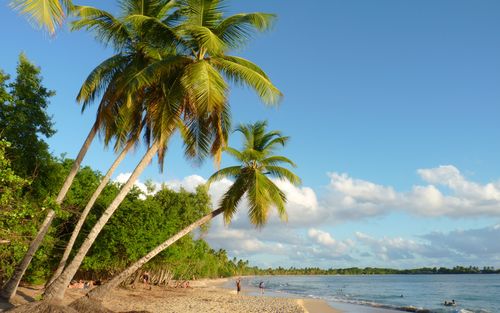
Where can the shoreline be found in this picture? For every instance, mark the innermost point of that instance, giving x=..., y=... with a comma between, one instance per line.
x=207, y=295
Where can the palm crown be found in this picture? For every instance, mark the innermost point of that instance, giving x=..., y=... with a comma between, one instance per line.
x=251, y=178
x=170, y=71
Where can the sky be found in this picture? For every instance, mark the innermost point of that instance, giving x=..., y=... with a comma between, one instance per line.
x=392, y=108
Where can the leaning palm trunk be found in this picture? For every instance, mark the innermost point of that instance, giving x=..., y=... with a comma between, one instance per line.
x=86, y=211
x=57, y=289
x=9, y=291
x=99, y=293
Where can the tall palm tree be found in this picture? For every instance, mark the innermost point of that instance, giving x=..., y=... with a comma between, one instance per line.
x=256, y=163
x=112, y=76
x=105, y=75
x=186, y=92
x=108, y=79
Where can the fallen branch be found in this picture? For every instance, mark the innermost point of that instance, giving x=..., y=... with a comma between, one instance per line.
x=4, y=241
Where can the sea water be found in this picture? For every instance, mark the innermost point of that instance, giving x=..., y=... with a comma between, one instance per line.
x=478, y=293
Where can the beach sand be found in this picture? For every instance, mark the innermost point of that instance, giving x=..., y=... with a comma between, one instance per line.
x=204, y=296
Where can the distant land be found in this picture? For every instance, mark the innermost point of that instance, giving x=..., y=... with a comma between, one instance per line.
x=376, y=271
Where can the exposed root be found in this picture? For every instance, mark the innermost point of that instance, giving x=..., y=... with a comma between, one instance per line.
x=43, y=307
x=87, y=305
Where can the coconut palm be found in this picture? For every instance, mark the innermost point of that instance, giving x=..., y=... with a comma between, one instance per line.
x=109, y=79
x=186, y=92
x=257, y=163
x=112, y=76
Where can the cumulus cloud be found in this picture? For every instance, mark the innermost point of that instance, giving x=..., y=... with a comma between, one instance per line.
x=474, y=246
x=349, y=198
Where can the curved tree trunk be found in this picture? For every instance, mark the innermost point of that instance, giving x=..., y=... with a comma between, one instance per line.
x=86, y=211
x=100, y=292
x=10, y=288
x=57, y=289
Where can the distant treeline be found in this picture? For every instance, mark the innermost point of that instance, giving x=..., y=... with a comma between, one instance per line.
x=377, y=271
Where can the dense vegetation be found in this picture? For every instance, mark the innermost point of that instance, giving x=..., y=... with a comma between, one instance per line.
x=376, y=271
x=30, y=177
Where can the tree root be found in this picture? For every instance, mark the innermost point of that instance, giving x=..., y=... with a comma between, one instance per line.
x=43, y=307
x=87, y=305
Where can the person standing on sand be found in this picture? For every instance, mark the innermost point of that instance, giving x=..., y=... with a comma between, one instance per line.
x=145, y=279
x=238, y=286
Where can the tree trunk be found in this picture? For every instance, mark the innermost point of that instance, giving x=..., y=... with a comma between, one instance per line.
x=86, y=211
x=100, y=292
x=76, y=164
x=57, y=289
x=9, y=291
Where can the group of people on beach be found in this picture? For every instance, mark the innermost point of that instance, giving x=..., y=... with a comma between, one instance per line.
x=83, y=284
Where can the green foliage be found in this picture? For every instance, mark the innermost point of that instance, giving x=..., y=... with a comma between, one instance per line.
x=140, y=225
x=24, y=122
x=14, y=213
x=256, y=162
x=376, y=271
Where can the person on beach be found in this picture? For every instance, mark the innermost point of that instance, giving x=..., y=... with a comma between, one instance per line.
x=238, y=286
x=261, y=287
x=145, y=279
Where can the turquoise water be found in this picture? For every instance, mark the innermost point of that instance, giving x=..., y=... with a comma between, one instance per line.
x=472, y=293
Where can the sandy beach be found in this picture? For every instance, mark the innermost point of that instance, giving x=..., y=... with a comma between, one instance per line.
x=204, y=296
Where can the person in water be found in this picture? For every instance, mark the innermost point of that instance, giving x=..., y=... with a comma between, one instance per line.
x=261, y=287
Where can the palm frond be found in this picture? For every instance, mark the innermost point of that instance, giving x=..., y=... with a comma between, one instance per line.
x=259, y=199
x=237, y=29
x=106, y=27
x=205, y=39
x=99, y=79
x=278, y=199
x=283, y=173
x=206, y=86
x=206, y=13
x=227, y=172
x=48, y=14
x=276, y=160
x=232, y=197
x=245, y=73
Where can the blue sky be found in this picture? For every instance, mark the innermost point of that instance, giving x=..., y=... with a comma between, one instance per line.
x=393, y=111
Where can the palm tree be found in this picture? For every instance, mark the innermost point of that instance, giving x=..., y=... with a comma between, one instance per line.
x=185, y=90
x=112, y=76
x=109, y=79
x=257, y=163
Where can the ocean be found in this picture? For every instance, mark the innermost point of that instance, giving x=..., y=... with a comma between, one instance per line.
x=371, y=293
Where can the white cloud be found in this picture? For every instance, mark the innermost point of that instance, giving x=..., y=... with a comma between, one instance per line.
x=350, y=198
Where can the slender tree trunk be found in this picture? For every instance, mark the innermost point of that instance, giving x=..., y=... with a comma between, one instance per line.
x=100, y=292
x=86, y=211
x=9, y=291
x=76, y=164
x=57, y=289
